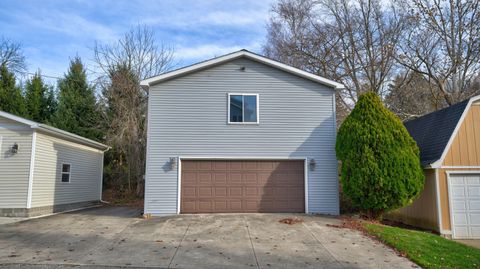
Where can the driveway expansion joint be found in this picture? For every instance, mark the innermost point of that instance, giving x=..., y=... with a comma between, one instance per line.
x=320, y=242
x=251, y=242
x=179, y=245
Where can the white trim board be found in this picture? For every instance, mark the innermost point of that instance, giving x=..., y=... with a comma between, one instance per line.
x=31, y=169
x=438, y=202
x=440, y=161
x=179, y=171
x=55, y=131
x=243, y=109
x=236, y=55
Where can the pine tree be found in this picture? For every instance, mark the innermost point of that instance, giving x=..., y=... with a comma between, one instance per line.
x=39, y=99
x=77, y=108
x=11, y=98
x=380, y=160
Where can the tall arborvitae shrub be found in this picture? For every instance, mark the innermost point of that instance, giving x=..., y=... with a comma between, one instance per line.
x=381, y=168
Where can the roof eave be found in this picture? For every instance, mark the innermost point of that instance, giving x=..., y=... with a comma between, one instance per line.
x=70, y=136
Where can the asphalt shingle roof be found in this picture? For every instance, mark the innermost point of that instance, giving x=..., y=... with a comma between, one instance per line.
x=432, y=131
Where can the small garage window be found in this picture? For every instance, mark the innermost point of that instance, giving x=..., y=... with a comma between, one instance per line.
x=65, y=172
x=242, y=108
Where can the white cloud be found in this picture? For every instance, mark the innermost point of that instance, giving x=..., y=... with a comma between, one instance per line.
x=68, y=23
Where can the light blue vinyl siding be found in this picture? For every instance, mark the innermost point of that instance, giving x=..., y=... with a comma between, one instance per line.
x=188, y=117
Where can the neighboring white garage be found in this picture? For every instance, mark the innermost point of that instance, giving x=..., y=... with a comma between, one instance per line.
x=45, y=169
x=465, y=205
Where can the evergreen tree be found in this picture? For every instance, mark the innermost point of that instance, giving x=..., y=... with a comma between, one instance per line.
x=11, y=98
x=39, y=99
x=380, y=160
x=77, y=107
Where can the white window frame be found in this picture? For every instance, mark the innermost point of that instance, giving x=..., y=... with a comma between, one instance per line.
x=69, y=173
x=243, y=95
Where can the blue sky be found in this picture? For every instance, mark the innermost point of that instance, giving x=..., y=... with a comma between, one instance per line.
x=52, y=32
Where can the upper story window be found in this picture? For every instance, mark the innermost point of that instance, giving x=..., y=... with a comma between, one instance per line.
x=65, y=172
x=242, y=108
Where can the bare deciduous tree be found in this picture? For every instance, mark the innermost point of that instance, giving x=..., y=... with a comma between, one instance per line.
x=442, y=44
x=124, y=64
x=11, y=56
x=411, y=95
x=353, y=42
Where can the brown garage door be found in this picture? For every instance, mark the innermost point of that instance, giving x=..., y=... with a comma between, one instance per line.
x=242, y=186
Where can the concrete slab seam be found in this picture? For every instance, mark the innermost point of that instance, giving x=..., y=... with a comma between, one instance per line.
x=251, y=242
x=315, y=237
x=179, y=245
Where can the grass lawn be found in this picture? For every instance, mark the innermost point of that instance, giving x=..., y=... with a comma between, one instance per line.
x=426, y=249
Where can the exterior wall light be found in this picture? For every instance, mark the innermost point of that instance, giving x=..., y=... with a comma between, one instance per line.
x=173, y=163
x=312, y=164
x=14, y=148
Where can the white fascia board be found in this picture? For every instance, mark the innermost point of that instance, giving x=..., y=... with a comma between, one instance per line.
x=243, y=53
x=55, y=131
x=17, y=118
x=439, y=162
x=74, y=137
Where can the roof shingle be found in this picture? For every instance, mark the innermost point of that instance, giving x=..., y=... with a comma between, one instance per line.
x=433, y=131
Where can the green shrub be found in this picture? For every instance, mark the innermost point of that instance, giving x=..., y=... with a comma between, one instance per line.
x=381, y=168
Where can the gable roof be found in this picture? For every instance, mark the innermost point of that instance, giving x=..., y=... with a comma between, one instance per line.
x=236, y=55
x=55, y=131
x=435, y=131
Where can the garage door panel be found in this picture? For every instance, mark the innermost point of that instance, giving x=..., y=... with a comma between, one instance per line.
x=220, y=166
x=202, y=166
x=205, y=192
x=475, y=218
x=189, y=192
x=220, y=178
x=234, y=178
x=188, y=206
x=205, y=205
x=465, y=205
x=252, y=191
x=235, y=205
x=458, y=192
x=461, y=232
x=235, y=166
x=460, y=218
x=474, y=205
x=473, y=191
x=475, y=231
x=235, y=192
x=189, y=177
x=250, y=179
x=242, y=186
x=221, y=192
x=204, y=178
x=473, y=180
x=221, y=205
x=459, y=205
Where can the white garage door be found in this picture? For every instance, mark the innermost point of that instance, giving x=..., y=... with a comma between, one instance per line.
x=465, y=205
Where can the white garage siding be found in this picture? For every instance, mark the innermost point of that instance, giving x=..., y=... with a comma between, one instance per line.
x=14, y=167
x=188, y=117
x=85, y=178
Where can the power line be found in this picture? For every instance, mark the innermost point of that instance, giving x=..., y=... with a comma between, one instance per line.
x=53, y=77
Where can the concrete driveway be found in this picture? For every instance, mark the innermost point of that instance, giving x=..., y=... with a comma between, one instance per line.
x=116, y=236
